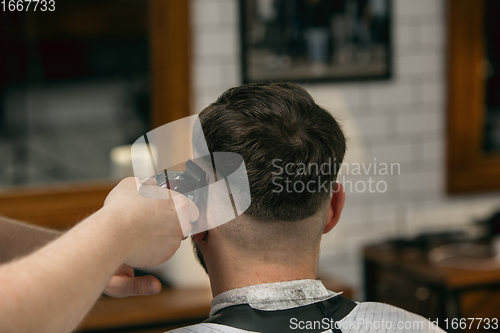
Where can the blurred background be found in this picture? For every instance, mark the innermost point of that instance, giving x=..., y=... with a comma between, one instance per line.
x=95, y=75
x=74, y=83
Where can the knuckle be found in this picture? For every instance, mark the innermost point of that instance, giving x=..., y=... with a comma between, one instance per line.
x=137, y=287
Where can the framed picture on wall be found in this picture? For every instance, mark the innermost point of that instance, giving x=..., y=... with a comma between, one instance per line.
x=315, y=40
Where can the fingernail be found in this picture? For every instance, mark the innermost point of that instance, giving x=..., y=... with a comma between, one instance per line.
x=152, y=288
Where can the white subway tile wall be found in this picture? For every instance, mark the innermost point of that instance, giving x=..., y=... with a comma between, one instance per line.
x=400, y=121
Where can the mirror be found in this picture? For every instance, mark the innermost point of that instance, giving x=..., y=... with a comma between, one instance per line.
x=74, y=84
x=492, y=82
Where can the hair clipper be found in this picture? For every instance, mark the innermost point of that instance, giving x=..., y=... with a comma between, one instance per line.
x=189, y=182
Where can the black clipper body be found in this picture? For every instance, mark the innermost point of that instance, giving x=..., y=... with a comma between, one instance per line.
x=189, y=182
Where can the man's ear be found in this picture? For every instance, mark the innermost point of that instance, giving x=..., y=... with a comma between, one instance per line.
x=336, y=205
x=199, y=237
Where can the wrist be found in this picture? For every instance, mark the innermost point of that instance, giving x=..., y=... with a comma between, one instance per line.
x=114, y=227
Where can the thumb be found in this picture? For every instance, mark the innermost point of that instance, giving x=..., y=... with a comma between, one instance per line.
x=124, y=286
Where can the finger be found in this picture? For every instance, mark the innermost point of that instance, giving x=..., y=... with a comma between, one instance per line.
x=150, y=181
x=124, y=286
x=187, y=212
x=186, y=206
x=125, y=270
x=154, y=192
x=147, y=182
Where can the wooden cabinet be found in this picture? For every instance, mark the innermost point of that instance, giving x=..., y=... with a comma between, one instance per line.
x=170, y=309
x=404, y=277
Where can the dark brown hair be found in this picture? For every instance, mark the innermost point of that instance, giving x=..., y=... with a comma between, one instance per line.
x=271, y=125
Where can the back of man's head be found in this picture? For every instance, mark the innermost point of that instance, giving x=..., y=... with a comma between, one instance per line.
x=292, y=150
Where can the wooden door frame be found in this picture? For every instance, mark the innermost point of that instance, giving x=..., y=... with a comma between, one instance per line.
x=469, y=168
x=171, y=59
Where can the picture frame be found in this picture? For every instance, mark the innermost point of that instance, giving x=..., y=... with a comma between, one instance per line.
x=308, y=41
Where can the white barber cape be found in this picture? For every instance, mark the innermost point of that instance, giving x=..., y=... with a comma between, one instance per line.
x=369, y=317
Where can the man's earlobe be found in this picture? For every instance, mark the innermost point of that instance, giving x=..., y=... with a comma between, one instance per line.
x=199, y=237
x=336, y=206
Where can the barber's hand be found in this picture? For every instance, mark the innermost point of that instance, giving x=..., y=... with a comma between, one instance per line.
x=124, y=284
x=149, y=227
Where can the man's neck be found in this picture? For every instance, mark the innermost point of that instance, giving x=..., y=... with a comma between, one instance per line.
x=223, y=279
